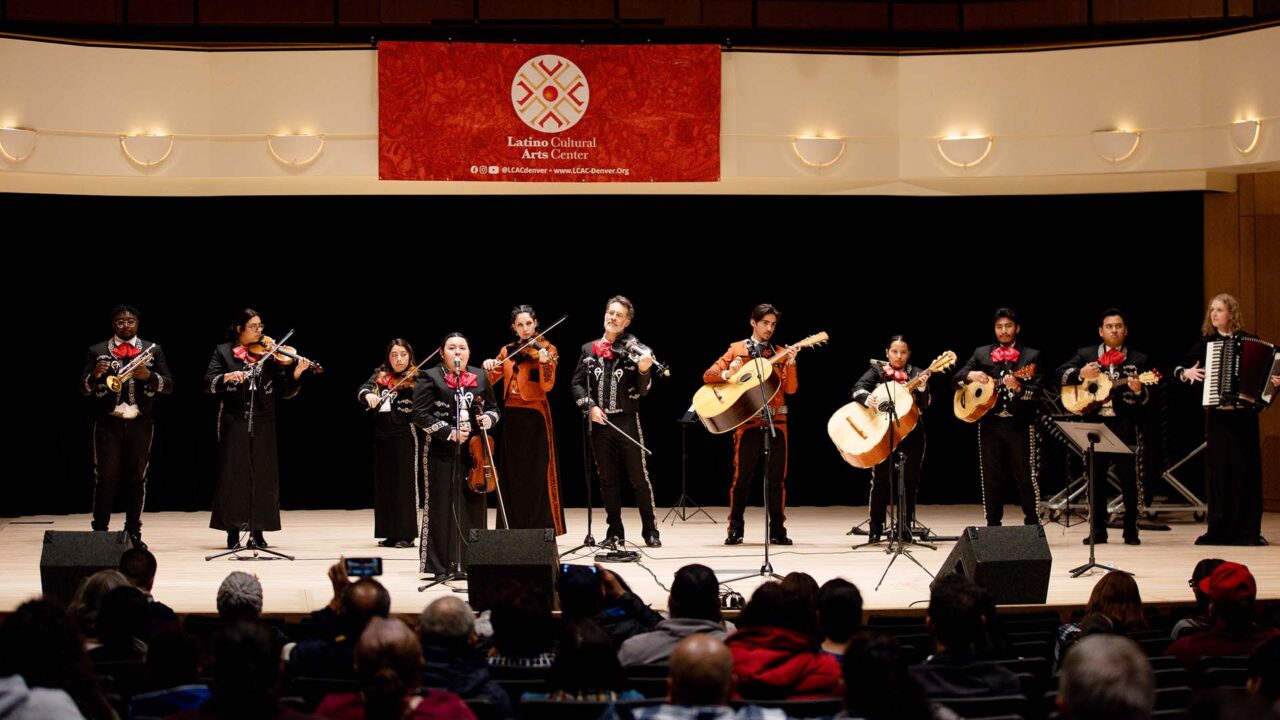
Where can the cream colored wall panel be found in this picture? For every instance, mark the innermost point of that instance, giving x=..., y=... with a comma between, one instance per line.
x=41, y=85
x=279, y=92
x=788, y=93
x=1239, y=79
x=1040, y=108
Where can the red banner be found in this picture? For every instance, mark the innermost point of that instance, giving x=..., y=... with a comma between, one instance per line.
x=561, y=113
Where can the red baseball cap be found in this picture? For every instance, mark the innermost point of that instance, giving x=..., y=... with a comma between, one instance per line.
x=1230, y=581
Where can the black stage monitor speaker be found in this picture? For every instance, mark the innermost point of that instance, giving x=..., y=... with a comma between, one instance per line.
x=70, y=556
x=1012, y=562
x=528, y=556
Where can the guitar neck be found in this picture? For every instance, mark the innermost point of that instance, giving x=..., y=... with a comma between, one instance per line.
x=915, y=382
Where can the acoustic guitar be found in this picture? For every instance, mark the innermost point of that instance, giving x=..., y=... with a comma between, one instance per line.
x=974, y=399
x=724, y=406
x=1086, y=395
x=861, y=434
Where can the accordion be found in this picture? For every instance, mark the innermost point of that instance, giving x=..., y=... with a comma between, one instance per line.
x=1237, y=372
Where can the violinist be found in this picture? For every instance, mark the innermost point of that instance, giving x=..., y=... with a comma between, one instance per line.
x=248, y=374
x=398, y=449
x=445, y=401
x=608, y=383
x=531, y=479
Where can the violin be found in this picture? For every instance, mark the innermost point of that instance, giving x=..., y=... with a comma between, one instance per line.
x=530, y=352
x=483, y=477
x=283, y=354
x=389, y=391
x=392, y=381
x=528, y=349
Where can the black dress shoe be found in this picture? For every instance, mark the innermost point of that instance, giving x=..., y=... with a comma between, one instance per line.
x=1132, y=540
x=259, y=540
x=135, y=538
x=651, y=539
x=387, y=543
x=781, y=540
x=1096, y=540
x=404, y=544
x=735, y=537
x=233, y=539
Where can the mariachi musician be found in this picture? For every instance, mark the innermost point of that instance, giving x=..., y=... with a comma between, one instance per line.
x=123, y=374
x=612, y=374
x=748, y=438
x=453, y=403
x=399, y=453
x=1006, y=439
x=531, y=479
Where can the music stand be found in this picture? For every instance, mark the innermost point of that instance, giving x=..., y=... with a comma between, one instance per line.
x=1090, y=438
x=682, y=509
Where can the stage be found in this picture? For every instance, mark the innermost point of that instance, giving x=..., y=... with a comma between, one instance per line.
x=188, y=583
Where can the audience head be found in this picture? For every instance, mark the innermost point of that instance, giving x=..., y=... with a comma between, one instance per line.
x=695, y=594
x=240, y=597
x=701, y=672
x=1106, y=677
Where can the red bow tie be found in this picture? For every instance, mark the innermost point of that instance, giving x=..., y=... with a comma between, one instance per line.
x=1111, y=358
x=894, y=374
x=603, y=349
x=1006, y=354
x=386, y=379
x=125, y=351
x=468, y=380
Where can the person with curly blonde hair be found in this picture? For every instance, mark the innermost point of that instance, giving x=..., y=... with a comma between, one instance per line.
x=1233, y=456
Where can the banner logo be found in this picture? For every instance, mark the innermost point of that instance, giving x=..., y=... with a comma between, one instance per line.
x=550, y=94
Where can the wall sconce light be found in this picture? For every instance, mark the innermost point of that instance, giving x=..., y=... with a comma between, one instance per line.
x=1245, y=134
x=295, y=150
x=818, y=152
x=1116, y=145
x=964, y=151
x=147, y=150
x=17, y=144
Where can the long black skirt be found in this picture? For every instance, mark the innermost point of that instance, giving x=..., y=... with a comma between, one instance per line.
x=529, y=476
x=248, y=475
x=442, y=540
x=398, y=466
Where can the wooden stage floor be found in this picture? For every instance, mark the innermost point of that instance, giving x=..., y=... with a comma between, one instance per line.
x=186, y=582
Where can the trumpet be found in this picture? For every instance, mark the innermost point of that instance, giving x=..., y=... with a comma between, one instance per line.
x=116, y=382
x=637, y=351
